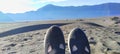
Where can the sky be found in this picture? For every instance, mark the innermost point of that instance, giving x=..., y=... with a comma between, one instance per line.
x=21, y=6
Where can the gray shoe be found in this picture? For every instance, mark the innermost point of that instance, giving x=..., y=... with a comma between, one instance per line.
x=78, y=42
x=54, y=41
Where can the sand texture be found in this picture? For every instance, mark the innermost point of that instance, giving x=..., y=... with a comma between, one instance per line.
x=28, y=37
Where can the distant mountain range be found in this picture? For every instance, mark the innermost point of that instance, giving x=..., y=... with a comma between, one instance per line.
x=51, y=12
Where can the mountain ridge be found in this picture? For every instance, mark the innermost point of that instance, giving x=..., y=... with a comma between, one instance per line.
x=51, y=12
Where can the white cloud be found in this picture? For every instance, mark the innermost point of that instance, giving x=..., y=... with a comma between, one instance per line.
x=15, y=6
x=47, y=1
x=52, y=0
x=20, y=6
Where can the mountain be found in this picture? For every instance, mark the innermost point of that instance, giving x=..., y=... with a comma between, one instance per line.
x=5, y=18
x=51, y=12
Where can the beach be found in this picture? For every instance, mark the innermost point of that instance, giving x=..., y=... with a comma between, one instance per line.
x=28, y=37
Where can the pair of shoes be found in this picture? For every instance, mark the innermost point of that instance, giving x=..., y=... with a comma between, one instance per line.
x=54, y=42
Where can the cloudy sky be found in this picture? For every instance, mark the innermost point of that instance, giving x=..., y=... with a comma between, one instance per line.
x=20, y=6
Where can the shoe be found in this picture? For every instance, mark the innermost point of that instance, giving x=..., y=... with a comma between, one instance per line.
x=78, y=42
x=54, y=42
